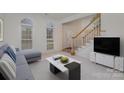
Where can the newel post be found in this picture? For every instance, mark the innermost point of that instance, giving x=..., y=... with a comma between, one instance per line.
x=73, y=51
x=72, y=43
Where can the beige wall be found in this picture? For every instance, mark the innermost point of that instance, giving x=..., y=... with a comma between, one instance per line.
x=113, y=24
x=12, y=30
x=72, y=28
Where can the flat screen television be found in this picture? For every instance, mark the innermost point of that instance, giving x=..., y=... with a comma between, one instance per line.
x=107, y=45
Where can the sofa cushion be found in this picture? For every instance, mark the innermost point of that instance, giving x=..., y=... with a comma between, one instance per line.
x=20, y=60
x=23, y=72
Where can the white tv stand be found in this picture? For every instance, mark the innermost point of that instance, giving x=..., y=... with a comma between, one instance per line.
x=108, y=60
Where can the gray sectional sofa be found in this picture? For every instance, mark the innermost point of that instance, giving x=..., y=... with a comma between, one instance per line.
x=21, y=70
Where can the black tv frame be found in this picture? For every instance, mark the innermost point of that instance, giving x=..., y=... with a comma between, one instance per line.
x=108, y=51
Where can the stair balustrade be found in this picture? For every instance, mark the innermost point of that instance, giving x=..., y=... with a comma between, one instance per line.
x=88, y=33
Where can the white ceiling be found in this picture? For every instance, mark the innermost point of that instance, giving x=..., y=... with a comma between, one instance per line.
x=59, y=16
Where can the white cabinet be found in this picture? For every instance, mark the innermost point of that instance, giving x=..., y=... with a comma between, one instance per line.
x=119, y=63
x=104, y=59
x=108, y=60
x=93, y=56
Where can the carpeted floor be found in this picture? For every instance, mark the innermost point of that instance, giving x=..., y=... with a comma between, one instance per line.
x=89, y=70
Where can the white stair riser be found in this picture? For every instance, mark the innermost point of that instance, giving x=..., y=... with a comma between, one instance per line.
x=85, y=51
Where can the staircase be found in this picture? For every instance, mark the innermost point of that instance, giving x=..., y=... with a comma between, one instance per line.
x=85, y=51
x=82, y=42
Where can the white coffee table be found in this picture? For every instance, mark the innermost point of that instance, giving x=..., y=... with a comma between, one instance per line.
x=56, y=66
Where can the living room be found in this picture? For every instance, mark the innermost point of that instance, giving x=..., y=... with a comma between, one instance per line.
x=61, y=46
x=49, y=33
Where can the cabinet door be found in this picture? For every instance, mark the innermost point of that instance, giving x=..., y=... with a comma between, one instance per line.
x=104, y=59
x=119, y=63
x=93, y=56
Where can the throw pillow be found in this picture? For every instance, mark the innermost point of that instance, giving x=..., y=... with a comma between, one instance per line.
x=6, y=70
x=10, y=52
x=8, y=59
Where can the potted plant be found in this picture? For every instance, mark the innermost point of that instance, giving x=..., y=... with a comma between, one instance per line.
x=64, y=59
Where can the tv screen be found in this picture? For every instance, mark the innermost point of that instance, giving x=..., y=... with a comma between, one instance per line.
x=107, y=45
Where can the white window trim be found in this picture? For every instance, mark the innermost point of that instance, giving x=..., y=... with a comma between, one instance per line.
x=1, y=30
x=49, y=49
x=27, y=39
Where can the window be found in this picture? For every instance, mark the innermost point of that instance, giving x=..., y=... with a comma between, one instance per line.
x=26, y=27
x=1, y=30
x=50, y=41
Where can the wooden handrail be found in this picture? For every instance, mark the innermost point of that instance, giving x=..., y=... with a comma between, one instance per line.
x=95, y=18
x=88, y=33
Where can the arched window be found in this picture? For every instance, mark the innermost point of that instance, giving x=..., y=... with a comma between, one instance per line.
x=50, y=32
x=26, y=34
